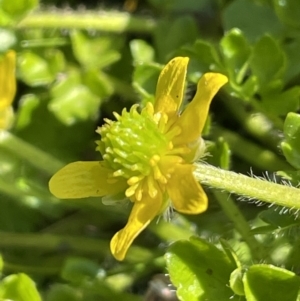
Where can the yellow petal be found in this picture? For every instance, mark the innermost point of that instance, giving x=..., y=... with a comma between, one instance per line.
x=142, y=213
x=194, y=116
x=7, y=79
x=170, y=86
x=84, y=179
x=185, y=192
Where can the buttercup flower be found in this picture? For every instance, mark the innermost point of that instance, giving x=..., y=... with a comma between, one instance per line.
x=148, y=156
x=7, y=88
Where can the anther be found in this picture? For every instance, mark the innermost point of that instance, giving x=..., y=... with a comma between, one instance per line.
x=154, y=160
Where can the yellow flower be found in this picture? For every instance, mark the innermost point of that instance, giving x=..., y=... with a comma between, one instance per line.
x=147, y=156
x=7, y=88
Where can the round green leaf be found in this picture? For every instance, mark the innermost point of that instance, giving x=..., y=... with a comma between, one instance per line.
x=171, y=35
x=95, y=52
x=34, y=70
x=291, y=145
x=141, y=51
x=251, y=18
x=19, y=287
x=72, y=101
x=236, y=51
x=282, y=103
x=199, y=270
x=266, y=282
x=145, y=79
x=288, y=12
x=206, y=57
x=268, y=68
x=236, y=282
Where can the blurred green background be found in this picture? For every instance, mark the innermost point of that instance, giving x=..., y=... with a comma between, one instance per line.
x=77, y=62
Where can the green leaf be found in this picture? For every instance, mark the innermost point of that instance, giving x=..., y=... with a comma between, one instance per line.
x=278, y=220
x=19, y=287
x=288, y=12
x=269, y=69
x=263, y=230
x=292, y=50
x=141, y=51
x=232, y=255
x=236, y=51
x=72, y=101
x=236, y=282
x=76, y=270
x=199, y=270
x=236, y=56
x=253, y=19
x=204, y=57
x=56, y=60
x=170, y=35
x=207, y=52
x=290, y=175
x=282, y=103
x=18, y=8
x=95, y=52
x=98, y=83
x=60, y=292
x=28, y=104
x=34, y=70
x=145, y=79
x=266, y=282
x=248, y=89
x=291, y=145
x=220, y=153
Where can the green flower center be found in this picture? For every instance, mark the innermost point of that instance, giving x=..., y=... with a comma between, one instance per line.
x=134, y=143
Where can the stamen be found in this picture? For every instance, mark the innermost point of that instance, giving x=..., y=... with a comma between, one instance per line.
x=154, y=160
x=135, y=167
x=118, y=173
x=134, y=180
x=156, y=117
x=152, y=187
x=130, y=191
x=173, y=132
x=139, y=192
x=179, y=151
x=158, y=175
x=162, y=122
x=149, y=108
x=170, y=145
